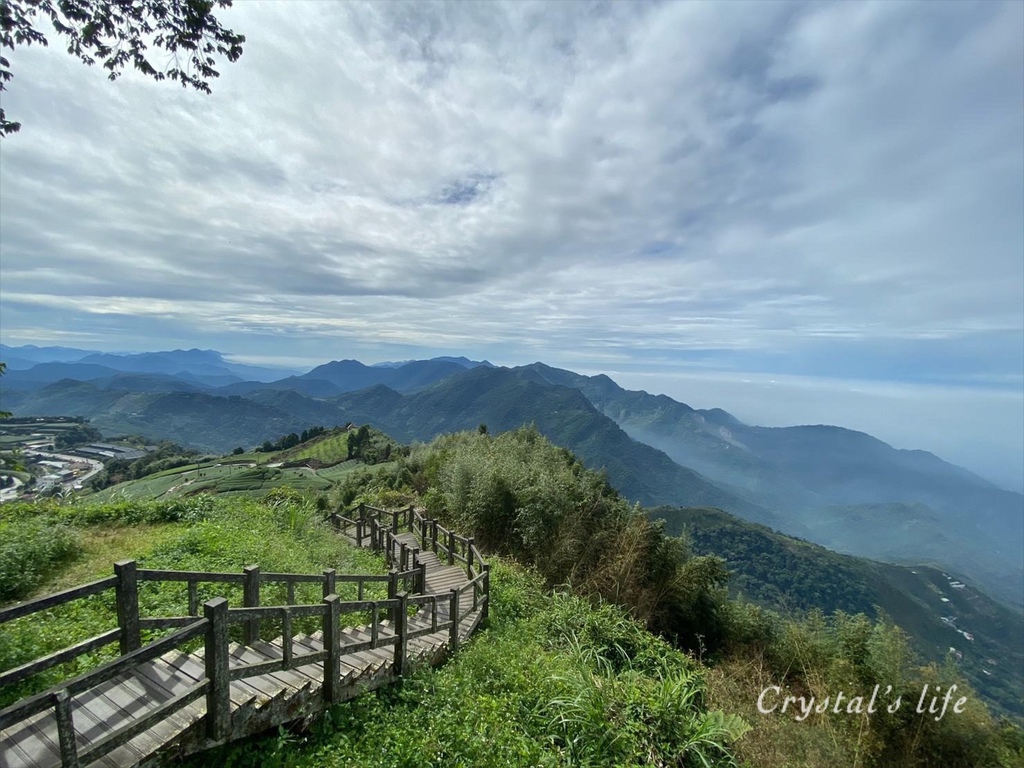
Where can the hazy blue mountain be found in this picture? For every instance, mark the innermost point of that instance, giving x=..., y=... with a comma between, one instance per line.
x=351, y=375
x=341, y=376
x=198, y=362
x=63, y=398
x=505, y=398
x=306, y=386
x=819, y=477
x=194, y=419
x=147, y=382
x=17, y=363
x=209, y=381
x=31, y=354
x=41, y=374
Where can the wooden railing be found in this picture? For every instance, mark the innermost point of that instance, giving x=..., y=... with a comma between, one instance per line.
x=375, y=527
x=365, y=525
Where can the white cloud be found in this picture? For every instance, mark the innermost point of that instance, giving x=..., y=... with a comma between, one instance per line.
x=556, y=181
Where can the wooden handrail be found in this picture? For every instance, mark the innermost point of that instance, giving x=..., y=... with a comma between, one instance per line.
x=460, y=603
x=42, y=701
x=57, y=598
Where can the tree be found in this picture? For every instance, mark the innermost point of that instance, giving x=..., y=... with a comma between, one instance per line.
x=118, y=33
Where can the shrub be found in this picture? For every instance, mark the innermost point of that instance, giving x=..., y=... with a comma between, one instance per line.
x=29, y=549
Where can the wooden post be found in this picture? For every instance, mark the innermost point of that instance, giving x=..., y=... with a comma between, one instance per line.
x=193, y=597
x=392, y=592
x=218, y=696
x=412, y=519
x=469, y=557
x=401, y=634
x=451, y=547
x=359, y=533
x=252, y=600
x=65, y=730
x=453, y=632
x=433, y=535
x=394, y=520
x=332, y=644
x=487, y=592
x=330, y=582
x=127, y=590
x=403, y=563
x=423, y=532
x=362, y=510
x=286, y=637
x=423, y=578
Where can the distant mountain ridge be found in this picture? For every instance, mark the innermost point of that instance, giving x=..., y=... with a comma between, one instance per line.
x=832, y=485
x=841, y=488
x=205, y=366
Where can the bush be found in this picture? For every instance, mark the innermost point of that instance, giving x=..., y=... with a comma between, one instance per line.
x=29, y=549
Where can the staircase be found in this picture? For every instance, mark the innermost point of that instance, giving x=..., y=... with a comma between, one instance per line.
x=158, y=702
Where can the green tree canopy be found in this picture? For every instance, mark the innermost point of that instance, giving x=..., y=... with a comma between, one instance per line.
x=118, y=33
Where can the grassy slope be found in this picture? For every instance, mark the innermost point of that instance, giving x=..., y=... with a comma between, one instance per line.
x=329, y=448
x=211, y=478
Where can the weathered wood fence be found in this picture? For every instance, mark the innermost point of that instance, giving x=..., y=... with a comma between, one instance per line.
x=415, y=607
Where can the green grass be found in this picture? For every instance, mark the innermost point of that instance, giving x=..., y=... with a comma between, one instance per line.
x=211, y=478
x=283, y=535
x=329, y=448
x=339, y=472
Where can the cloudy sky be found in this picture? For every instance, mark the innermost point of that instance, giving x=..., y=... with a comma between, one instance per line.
x=801, y=213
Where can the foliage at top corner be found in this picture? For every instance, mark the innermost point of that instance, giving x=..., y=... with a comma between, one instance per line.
x=118, y=34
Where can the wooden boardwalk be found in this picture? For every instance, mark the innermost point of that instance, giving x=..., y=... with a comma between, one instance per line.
x=156, y=703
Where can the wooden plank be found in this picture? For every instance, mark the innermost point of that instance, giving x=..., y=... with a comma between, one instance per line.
x=294, y=676
x=163, y=732
x=239, y=694
x=34, y=745
x=305, y=644
x=162, y=675
x=195, y=670
x=96, y=705
x=45, y=740
x=141, y=724
x=312, y=644
x=130, y=694
x=265, y=686
x=42, y=701
x=13, y=756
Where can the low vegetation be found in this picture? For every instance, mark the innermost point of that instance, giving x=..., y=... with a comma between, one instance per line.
x=610, y=642
x=553, y=681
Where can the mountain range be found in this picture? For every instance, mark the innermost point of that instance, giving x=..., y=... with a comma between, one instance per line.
x=837, y=487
